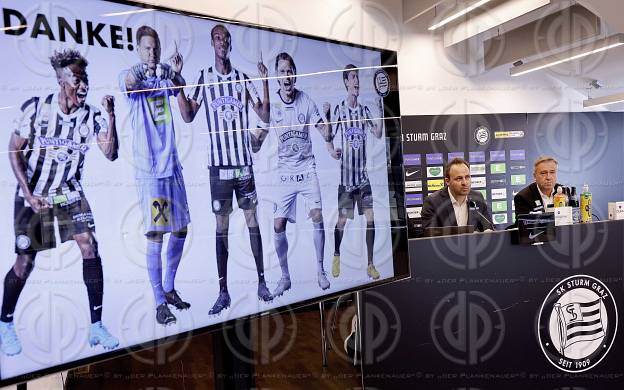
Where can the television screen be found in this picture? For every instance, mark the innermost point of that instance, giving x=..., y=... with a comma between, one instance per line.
x=168, y=172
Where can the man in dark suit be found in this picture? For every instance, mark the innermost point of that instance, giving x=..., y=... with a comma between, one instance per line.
x=456, y=204
x=539, y=194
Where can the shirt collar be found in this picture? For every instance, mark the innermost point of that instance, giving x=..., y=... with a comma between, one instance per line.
x=542, y=194
x=453, y=200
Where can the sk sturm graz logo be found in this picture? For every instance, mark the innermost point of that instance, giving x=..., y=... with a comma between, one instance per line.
x=577, y=323
x=467, y=327
x=482, y=135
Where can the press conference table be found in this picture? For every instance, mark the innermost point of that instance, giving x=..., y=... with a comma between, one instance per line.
x=467, y=318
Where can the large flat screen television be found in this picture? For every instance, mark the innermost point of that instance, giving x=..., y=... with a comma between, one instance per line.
x=167, y=173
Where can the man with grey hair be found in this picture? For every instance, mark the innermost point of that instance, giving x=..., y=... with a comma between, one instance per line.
x=539, y=194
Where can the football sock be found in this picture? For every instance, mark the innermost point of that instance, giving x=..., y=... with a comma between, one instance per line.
x=319, y=242
x=154, y=270
x=256, y=249
x=13, y=286
x=370, y=240
x=281, y=247
x=338, y=233
x=174, y=254
x=222, y=258
x=94, y=280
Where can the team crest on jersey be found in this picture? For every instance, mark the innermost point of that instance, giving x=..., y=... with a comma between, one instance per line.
x=62, y=157
x=577, y=323
x=301, y=118
x=22, y=242
x=295, y=148
x=239, y=87
x=83, y=130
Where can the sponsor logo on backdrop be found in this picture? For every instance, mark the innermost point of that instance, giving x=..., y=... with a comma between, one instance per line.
x=434, y=185
x=498, y=168
x=413, y=186
x=480, y=323
x=509, y=134
x=414, y=199
x=382, y=83
x=478, y=182
x=484, y=193
x=499, y=206
x=434, y=158
x=499, y=193
x=476, y=157
x=518, y=180
x=424, y=137
x=497, y=155
x=411, y=159
x=482, y=135
x=477, y=169
x=435, y=171
x=500, y=181
x=517, y=155
x=577, y=323
x=515, y=167
x=453, y=155
x=499, y=218
x=414, y=212
x=413, y=173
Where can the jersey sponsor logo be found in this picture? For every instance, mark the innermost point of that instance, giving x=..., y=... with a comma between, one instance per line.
x=62, y=156
x=62, y=142
x=577, y=323
x=295, y=178
x=159, y=108
x=22, y=242
x=161, y=211
x=226, y=100
x=285, y=136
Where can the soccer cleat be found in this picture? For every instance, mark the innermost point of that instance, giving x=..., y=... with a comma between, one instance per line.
x=322, y=280
x=282, y=286
x=223, y=302
x=263, y=293
x=372, y=272
x=164, y=315
x=336, y=266
x=10, y=343
x=174, y=299
x=98, y=334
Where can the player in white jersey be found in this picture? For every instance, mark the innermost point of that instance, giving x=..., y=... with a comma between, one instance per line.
x=292, y=116
x=353, y=122
x=227, y=96
x=158, y=171
x=47, y=153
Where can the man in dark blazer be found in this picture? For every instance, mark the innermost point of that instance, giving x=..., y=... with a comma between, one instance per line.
x=456, y=204
x=539, y=194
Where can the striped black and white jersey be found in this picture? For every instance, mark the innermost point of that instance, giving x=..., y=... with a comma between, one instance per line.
x=56, y=144
x=227, y=101
x=352, y=126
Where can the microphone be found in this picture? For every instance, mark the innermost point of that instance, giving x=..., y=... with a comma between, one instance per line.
x=473, y=206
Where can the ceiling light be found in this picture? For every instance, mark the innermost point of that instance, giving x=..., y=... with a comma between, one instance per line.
x=458, y=14
x=604, y=101
x=569, y=55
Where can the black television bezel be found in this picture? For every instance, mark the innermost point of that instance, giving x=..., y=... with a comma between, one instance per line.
x=395, y=188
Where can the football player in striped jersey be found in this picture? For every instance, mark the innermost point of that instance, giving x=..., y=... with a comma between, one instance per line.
x=47, y=152
x=227, y=96
x=353, y=123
